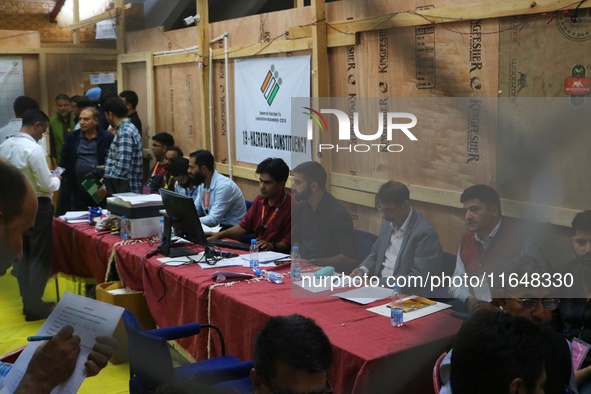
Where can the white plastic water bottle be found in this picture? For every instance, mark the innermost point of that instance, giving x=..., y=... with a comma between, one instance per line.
x=124, y=227
x=396, y=312
x=271, y=276
x=161, y=231
x=296, y=268
x=254, y=255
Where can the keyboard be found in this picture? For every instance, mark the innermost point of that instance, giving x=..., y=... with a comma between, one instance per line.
x=229, y=244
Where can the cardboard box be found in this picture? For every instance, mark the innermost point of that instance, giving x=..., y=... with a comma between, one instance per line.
x=134, y=301
x=145, y=227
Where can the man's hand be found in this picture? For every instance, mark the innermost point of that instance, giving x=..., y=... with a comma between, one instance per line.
x=52, y=363
x=357, y=272
x=264, y=245
x=99, y=356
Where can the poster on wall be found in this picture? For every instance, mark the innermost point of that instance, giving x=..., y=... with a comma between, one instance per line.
x=264, y=88
x=11, y=81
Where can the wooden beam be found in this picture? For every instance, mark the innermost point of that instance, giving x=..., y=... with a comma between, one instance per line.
x=264, y=48
x=291, y=45
x=43, y=93
x=120, y=24
x=177, y=58
x=137, y=57
x=202, y=8
x=319, y=70
x=76, y=33
x=488, y=10
x=56, y=10
x=58, y=51
x=354, y=189
x=150, y=96
x=243, y=173
x=109, y=14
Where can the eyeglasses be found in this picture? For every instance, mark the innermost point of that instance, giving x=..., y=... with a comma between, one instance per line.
x=327, y=388
x=387, y=210
x=549, y=304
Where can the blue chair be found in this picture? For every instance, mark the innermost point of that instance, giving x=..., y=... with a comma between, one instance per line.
x=364, y=242
x=150, y=362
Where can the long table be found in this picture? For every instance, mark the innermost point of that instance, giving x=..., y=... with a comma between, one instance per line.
x=370, y=356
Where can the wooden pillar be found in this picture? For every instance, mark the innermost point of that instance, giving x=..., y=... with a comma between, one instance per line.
x=120, y=25
x=76, y=33
x=203, y=42
x=319, y=75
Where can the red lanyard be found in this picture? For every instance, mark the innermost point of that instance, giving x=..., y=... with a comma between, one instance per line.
x=265, y=225
x=155, y=168
x=205, y=198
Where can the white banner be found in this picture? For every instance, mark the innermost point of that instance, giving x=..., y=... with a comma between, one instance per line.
x=11, y=85
x=263, y=91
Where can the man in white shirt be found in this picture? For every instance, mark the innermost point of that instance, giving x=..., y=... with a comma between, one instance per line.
x=21, y=105
x=408, y=243
x=32, y=271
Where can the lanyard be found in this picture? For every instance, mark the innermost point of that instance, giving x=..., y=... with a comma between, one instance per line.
x=155, y=168
x=206, y=198
x=265, y=225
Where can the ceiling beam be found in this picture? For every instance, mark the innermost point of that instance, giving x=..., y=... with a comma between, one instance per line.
x=56, y=10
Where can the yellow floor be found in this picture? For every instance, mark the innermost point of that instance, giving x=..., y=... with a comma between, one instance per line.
x=14, y=330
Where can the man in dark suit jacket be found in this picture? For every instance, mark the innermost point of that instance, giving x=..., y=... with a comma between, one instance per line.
x=408, y=243
x=84, y=152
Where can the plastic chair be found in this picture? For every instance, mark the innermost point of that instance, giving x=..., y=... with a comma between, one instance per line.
x=436, y=373
x=364, y=241
x=150, y=362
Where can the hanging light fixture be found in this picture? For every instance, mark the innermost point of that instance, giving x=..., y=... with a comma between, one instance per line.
x=87, y=9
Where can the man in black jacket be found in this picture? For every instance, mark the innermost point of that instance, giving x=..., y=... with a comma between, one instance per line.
x=83, y=155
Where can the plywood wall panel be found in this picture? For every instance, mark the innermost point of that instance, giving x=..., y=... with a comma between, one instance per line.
x=544, y=143
x=135, y=79
x=64, y=75
x=177, y=104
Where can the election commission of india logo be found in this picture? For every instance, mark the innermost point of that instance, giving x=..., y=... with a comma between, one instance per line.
x=271, y=85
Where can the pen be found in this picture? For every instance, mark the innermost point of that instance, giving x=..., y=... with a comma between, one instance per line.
x=39, y=338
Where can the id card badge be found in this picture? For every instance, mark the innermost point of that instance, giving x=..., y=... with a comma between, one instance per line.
x=579, y=352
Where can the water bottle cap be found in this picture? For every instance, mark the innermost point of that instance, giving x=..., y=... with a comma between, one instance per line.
x=162, y=220
x=396, y=287
x=295, y=248
x=123, y=217
x=253, y=241
x=258, y=272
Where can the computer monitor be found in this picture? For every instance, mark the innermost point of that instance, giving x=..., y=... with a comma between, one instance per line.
x=181, y=215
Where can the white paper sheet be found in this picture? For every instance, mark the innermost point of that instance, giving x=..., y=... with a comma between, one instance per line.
x=90, y=318
x=317, y=285
x=365, y=295
x=411, y=315
x=266, y=257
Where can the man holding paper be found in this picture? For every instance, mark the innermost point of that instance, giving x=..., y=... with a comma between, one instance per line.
x=54, y=361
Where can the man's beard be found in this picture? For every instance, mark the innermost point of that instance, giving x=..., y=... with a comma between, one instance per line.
x=303, y=195
x=198, y=179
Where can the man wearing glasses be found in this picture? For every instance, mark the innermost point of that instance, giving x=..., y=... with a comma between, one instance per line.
x=408, y=243
x=573, y=316
x=292, y=354
x=535, y=304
